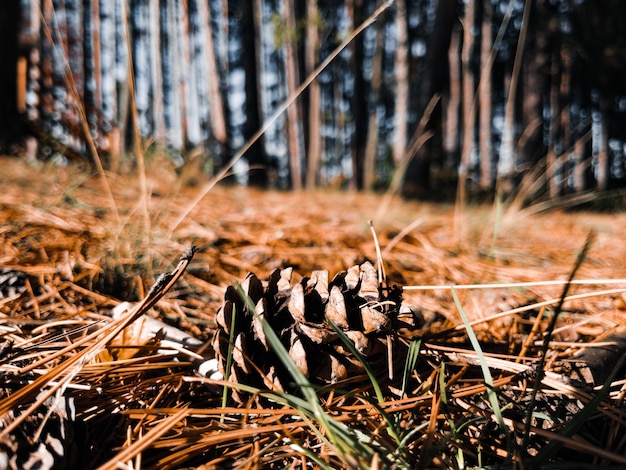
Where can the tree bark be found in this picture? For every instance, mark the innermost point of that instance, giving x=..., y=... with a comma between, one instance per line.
x=452, y=104
x=293, y=112
x=416, y=181
x=602, y=170
x=314, y=152
x=256, y=155
x=217, y=117
x=371, y=148
x=469, y=109
x=506, y=161
x=487, y=174
x=402, y=84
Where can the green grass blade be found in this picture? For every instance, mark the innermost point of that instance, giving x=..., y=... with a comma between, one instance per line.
x=411, y=361
x=491, y=393
x=350, y=345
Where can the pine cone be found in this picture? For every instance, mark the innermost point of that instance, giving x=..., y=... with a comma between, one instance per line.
x=297, y=312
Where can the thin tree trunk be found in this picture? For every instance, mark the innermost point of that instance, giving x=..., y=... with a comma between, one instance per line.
x=555, y=129
x=580, y=169
x=256, y=154
x=371, y=149
x=506, y=161
x=311, y=56
x=156, y=74
x=402, y=84
x=485, y=106
x=216, y=105
x=530, y=144
x=452, y=103
x=602, y=170
x=566, y=136
x=469, y=110
x=186, y=93
x=293, y=112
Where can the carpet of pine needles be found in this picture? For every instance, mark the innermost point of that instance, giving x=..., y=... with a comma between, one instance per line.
x=72, y=248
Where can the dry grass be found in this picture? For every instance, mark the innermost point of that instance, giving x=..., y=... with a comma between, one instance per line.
x=140, y=404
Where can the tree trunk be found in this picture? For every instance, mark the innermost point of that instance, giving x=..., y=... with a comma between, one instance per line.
x=311, y=57
x=469, y=109
x=217, y=116
x=487, y=174
x=506, y=161
x=371, y=149
x=156, y=74
x=602, y=170
x=256, y=155
x=358, y=99
x=402, y=84
x=555, y=145
x=416, y=181
x=452, y=104
x=530, y=145
x=293, y=112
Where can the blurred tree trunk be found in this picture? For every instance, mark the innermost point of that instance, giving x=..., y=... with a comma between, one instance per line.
x=402, y=84
x=256, y=154
x=555, y=145
x=371, y=148
x=293, y=113
x=506, y=160
x=530, y=145
x=358, y=97
x=469, y=109
x=435, y=80
x=156, y=74
x=452, y=104
x=565, y=95
x=217, y=117
x=602, y=170
x=485, y=90
x=92, y=94
x=311, y=57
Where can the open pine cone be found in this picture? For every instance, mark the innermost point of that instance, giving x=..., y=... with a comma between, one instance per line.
x=355, y=301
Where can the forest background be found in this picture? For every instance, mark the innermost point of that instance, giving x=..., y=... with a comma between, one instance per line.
x=492, y=94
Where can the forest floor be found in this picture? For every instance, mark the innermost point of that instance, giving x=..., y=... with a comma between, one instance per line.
x=86, y=246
